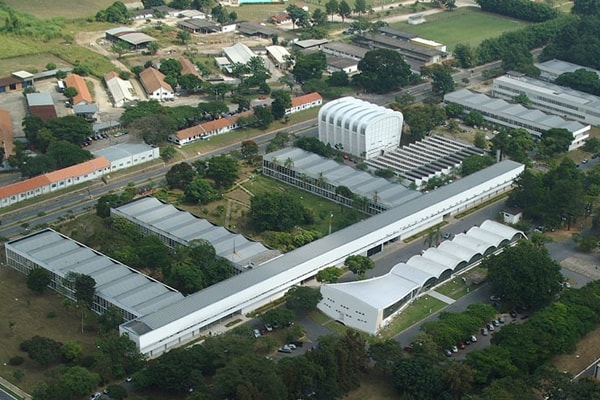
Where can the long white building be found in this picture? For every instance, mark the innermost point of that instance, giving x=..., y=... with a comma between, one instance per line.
x=513, y=115
x=176, y=324
x=363, y=129
x=546, y=96
x=369, y=305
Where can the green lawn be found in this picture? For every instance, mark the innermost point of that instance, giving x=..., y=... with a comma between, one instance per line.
x=464, y=25
x=60, y=8
x=417, y=311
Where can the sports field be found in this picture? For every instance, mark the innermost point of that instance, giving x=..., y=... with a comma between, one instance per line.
x=466, y=25
x=45, y=9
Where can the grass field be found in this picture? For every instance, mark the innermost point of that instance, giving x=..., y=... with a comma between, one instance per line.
x=29, y=312
x=466, y=25
x=61, y=8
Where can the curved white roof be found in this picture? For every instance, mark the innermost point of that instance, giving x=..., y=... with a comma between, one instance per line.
x=411, y=273
x=500, y=229
x=428, y=265
x=486, y=236
x=442, y=257
x=356, y=113
x=378, y=292
x=472, y=243
x=464, y=253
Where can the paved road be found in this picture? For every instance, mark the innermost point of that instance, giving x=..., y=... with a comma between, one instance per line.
x=5, y=396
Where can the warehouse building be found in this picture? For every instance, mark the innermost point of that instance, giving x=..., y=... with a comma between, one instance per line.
x=552, y=69
x=127, y=155
x=360, y=128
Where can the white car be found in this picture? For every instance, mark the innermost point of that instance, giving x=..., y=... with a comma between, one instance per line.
x=473, y=338
x=256, y=333
x=96, y=396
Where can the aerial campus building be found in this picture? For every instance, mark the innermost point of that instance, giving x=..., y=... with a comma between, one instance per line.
x=512, y=115
x=360, y=128
x=552, y=69
x=369, y=305
x=546, y=96
x=159, y=329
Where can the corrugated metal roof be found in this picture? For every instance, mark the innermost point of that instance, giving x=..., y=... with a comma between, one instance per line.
x=115, y=282
x=267, y=271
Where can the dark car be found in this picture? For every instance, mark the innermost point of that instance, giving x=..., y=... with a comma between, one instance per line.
x=513, y=314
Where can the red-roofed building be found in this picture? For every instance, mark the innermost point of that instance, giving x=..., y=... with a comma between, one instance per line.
x=83, y=94
x=154, y=83
x=6, y=137
x=52, y=181
x=305, y=102
x=187, y=67
x=207, y=129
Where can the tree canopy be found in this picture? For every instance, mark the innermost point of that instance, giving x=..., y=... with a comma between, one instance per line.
x=359, y=265
x=302, y=298
x=38, y=279
x=524, y=275
x=277, y=211
x=383, y=70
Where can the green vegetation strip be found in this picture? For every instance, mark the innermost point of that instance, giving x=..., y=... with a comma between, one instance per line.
x=232, y=323
x=417, y=311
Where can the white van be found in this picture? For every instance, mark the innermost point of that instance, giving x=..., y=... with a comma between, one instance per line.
x=60, y=86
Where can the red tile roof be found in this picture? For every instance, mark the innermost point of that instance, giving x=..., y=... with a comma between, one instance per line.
x=187, y=67
x=153, y=79
x=44, y=112
x=54, y=176
x=211, y=126
x=83, y=94
x=9, y=80
x=110, y=75
x=305, y=99
x=6, y=133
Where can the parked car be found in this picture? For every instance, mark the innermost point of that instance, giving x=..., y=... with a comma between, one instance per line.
x=268, y=327
x=292, y=346
x=454, y=349
x=495, y=298
x=484, y=331
x=473, y=338
x=460, y=345
x=513, y=314
x=496, y=322
x=256, y=333
x=284, y=349
x=96, y=396
x=297, y=343
x=448, y=353
x=501, y=320
x=490, y=327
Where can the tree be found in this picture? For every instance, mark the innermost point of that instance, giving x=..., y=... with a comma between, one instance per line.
x=38, y=279
x=464, y=55
x=153, y=47
x=442, y=81
x=522, y=99
x=277, y=316
x=180, y=175
x=555, y=141
x=71, y=351
x=183, y=36
x=64, y=154
x=302, y=299
x=480, y=140
x=360, y=6
x=338, y=79
x=344, y=10
x=117, y=356
x=190, y=82
x=524, y=275
x=263, y=117
x=277, y=211
x=148, y=4
x=329, y=274
x=383, y=70
x=43, y=350
x=475, y=163
x=309, y=66
x=586, y=7
x=474, y=118
x=116, y=392
x=85, y=289
x=332, y=7
x=249, y=149
x=223, y=170
x=298, y=16
x=281, y=102
x=186, y=278
x=319, y=17
x=200, y=191
x=359, y=265
x=70, y=92
x=110, y=319
x=70, y=128
x=120, y=47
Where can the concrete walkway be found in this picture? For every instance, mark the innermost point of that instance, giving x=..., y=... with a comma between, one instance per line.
x=441, y=297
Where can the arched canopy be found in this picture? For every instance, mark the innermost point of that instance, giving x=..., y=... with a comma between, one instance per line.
x=411, y=273
x=428, y=265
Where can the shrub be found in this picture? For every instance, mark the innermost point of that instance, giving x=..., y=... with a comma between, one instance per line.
x=16, y=360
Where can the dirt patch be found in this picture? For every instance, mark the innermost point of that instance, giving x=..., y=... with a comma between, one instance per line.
x=586, y=353
x=582, y=266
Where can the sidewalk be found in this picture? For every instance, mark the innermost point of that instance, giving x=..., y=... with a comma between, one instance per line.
x=14, y=389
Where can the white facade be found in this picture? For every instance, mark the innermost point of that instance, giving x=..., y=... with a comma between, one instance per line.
x=362, y=129
x=186, y=320
x=161, y=94
x=369, y=305
x=545, y=96
x=121, y=91
x=127, y=155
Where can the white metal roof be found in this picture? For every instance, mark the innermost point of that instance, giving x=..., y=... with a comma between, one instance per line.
x=122, y=150
x=183, y=227
x=118, y=284
x=359, y=182
x=121, y=90
x=558, y=67
x=279, y=53
x=295, y=260
x=239, y=53
x=39, y=99
x=385, y=290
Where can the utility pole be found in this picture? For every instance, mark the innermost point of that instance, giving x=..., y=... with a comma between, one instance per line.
x=330, y=222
